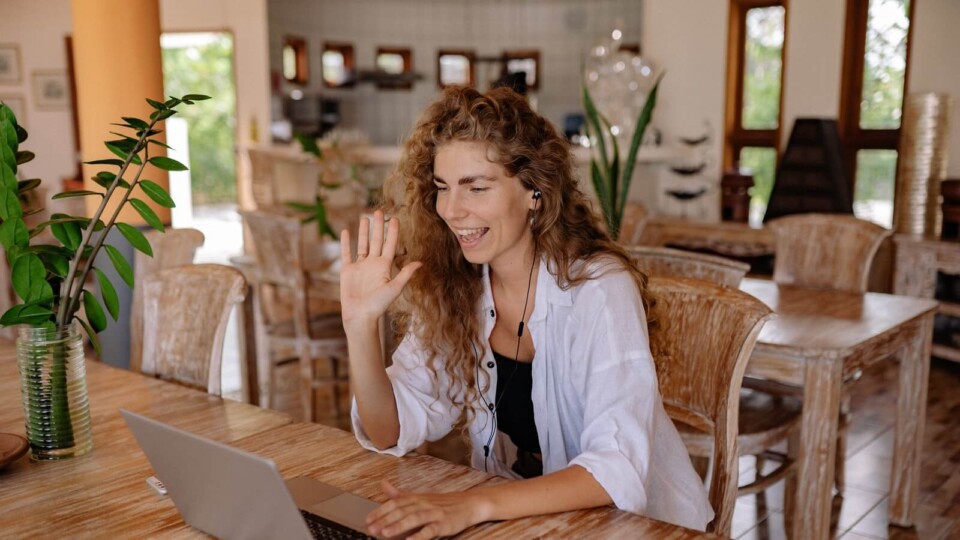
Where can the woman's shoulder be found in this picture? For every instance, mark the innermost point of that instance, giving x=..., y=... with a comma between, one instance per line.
x=601, y=272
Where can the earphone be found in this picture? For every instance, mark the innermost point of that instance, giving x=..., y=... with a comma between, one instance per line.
x=492, y=407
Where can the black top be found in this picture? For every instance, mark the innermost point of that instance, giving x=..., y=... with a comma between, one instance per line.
x=514, y=402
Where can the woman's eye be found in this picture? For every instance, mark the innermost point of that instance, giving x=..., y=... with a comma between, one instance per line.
x=478, y=189
x=441, y=188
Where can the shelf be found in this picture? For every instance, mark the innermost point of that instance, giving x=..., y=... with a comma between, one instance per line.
x=949, y=308
x=946, y=352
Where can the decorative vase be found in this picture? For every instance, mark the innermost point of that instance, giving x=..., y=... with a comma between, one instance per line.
x=53, y=386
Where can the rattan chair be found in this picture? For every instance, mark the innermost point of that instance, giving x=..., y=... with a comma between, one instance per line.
x=701, y=338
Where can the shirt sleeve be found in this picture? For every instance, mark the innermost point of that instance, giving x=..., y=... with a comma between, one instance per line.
x=425, y=411
x=626, y=433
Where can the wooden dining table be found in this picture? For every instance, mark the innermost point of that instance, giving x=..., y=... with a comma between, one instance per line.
x=104, y=494
x=820, y=339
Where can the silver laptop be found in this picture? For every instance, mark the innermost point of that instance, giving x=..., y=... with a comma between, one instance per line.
x=229, y=493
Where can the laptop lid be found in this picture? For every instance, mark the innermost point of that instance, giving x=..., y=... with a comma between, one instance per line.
x=218, y=489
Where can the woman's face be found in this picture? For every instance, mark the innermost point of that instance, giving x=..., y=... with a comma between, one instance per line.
x=485, y=209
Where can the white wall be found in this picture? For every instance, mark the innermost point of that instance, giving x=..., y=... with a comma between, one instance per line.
x=563, y=31
x=40, y=33
x=933, y=61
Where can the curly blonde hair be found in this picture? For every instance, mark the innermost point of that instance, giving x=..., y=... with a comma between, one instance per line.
x=448, y=287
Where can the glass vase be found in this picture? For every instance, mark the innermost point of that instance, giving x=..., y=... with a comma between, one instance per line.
x=53, y=387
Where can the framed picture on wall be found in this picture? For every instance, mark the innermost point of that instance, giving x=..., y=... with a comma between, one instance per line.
x=51, y=90
x=18, y=105
x=9, y=64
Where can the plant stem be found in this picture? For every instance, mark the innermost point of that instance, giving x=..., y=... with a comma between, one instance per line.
x=75, y=299
x=65, y=293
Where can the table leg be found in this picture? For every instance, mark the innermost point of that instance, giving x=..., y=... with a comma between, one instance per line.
x=249, y=369
x=911, y=416
x=813, y=482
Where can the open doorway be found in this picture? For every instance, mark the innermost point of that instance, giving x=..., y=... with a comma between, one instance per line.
x=204, y=137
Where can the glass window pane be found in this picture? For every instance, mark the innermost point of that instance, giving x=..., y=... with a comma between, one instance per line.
x=289, y=63
x=762, y=163
x=526, y=65
x=873, y=200
x=885, y=64
x=334, y=71
x=763, y=61
x=390, y=62
x=454, y=69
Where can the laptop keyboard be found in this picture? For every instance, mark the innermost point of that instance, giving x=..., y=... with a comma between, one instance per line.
x=324, y=529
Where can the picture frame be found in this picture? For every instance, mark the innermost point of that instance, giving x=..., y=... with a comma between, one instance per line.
x=51, y=90
x=10, y=68
x=18, y=104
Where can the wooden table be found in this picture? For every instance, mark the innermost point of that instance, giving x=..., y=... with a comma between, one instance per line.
x=819, y=339
x=103, y=494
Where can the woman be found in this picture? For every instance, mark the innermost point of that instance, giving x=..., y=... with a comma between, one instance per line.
x=523, y=317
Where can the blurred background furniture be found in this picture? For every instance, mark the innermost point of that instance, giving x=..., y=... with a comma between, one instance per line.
x=281, y=270
x=662, y=261
x=186, y=311
x=172, y=248
x=701, y=341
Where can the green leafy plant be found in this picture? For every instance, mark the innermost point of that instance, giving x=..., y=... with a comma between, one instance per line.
x=610, y=175
x=316, y=211
x=50, y=279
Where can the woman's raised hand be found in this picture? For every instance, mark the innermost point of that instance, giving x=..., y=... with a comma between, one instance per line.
x=366, y=286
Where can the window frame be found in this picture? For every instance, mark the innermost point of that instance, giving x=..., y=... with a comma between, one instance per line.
x=853, y=138
x=524, y=54
x=346, y=50
x=407, y=55
x=301, y=68
x=736, y=138
x=471, y=56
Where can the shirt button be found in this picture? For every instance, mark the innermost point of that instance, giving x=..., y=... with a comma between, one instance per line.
x=492, y=313
x=490, y=365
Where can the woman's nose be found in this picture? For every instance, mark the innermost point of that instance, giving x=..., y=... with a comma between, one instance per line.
x=451, y=207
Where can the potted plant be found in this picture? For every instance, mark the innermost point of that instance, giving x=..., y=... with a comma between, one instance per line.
x=611, y=178
x=51, y=279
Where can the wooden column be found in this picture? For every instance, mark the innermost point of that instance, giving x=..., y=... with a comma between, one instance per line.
x=117, y=63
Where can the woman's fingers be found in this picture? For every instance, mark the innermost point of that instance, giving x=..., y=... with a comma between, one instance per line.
x=363, y=239
x=376, y=240
x=345, y=255
x=393, y=233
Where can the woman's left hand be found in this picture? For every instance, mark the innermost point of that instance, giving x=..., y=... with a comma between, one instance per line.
x=428, y=514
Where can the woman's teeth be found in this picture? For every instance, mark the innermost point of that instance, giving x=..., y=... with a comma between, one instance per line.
x=469, y=235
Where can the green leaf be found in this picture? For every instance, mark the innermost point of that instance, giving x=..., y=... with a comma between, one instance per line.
x=120, y=264
x=642, y=121
x=121, y=153
x=29, y=278
x=156, y=105
x=593, y=121
x=136, y=122
x=308, y=144
x=158, y=143
x=94, y=339
x=115, y=162
x=105, y=180
x=109, y=294
x=147, y=214
x=21, y=134
x=136, y=238
x=94, y=312
x=25, y=156
x=78, y=193
x=156, y=193
x=195, y=97
x=14, y=235
x=167, y=164
x=24, y=186
x=162, y=115
x=68, y=233
x=55, y=264
x=9, y=205
x=30, y=313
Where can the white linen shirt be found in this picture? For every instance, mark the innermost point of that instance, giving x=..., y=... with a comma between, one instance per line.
x=595, y=399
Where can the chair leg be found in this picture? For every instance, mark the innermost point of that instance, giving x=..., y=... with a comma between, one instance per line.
x=791, y=485
x=839, y=470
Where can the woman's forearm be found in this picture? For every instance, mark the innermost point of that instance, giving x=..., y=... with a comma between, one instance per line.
x=376, y=402
x=573, y=488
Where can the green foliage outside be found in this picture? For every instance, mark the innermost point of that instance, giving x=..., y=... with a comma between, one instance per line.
x=884, y=64
x=762, y=163
x=763, y=65
x=207, y=70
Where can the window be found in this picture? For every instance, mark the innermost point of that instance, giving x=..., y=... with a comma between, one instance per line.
x=295, y=60
x=754, y=83
x=455, y=67
x=337, y=63
x=527, y=62
x=874, y=80
x=395, y=61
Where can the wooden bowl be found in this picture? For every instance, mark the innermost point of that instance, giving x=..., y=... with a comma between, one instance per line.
x=12, y=447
